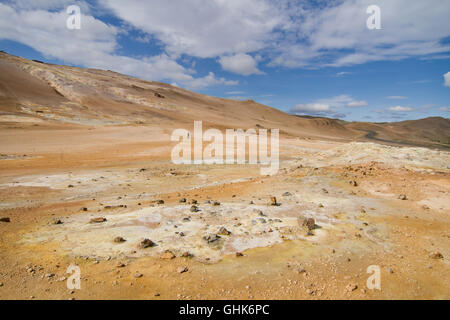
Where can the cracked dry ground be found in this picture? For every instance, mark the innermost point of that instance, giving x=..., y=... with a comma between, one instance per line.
x=263, y=252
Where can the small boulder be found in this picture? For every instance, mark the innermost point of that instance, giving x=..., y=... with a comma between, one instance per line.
x=351, y=287
x=224, y=232
x=6, y=219
x=182, y=269
x=211, y=238
x=119, y=240
x=146, y=243
x=98, y=220
x=436, y=255
x=353, y=183
x=187, y=255
x=273, y=201
x=308, y=223
x=167, y=255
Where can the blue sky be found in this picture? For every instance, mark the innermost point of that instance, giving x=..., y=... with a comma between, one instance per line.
x=304, y=57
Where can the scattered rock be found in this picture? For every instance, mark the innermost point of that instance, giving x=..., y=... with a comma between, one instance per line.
x=287, y=194
x=183, y=200
x=121, y=265
x=98, y=220
x=195, y=209
x=353, y=183
x=307, y=223
x=84, y=209
x=403, y=197
x=146, y=243
x=159, y=95
x=138, y=275
x=182, y=269
x=119, y=240
x=187, y=255
x=6, y=219
x=224, y=232
x=436, y=255
x=351, y=287
x=167, y=255
x=216, y=203
x=239, y=254
x=211, y=238
x=57, y=221
x=159, y=201
x=259, y=212
x=262, y=220
x=273, y=201
x=388, y=269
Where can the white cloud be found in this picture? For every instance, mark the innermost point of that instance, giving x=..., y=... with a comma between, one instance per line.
x=400, y=109
x=337, y=34
x=238, y=34
x=343, y=100
x=92, y=46
x=446, y=109
x=361, y=103
x=240, y=63
x=328, y=106
x=311, y=107
x=203, y=28
x=397, y=97
x=447, y=79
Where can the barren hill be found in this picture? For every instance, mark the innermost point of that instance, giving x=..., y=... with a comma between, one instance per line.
x=35, y=95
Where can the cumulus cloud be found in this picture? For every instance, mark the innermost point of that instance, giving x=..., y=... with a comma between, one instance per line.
x=336, y=35
x=400, y=109
x=447, y=79
x=240, y=63
x=343, y=100
x=328, y=106
x=94, y=45
x=203, y=28
x=284, y=33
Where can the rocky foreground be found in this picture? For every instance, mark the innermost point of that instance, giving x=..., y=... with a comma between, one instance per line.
x=153, y=230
